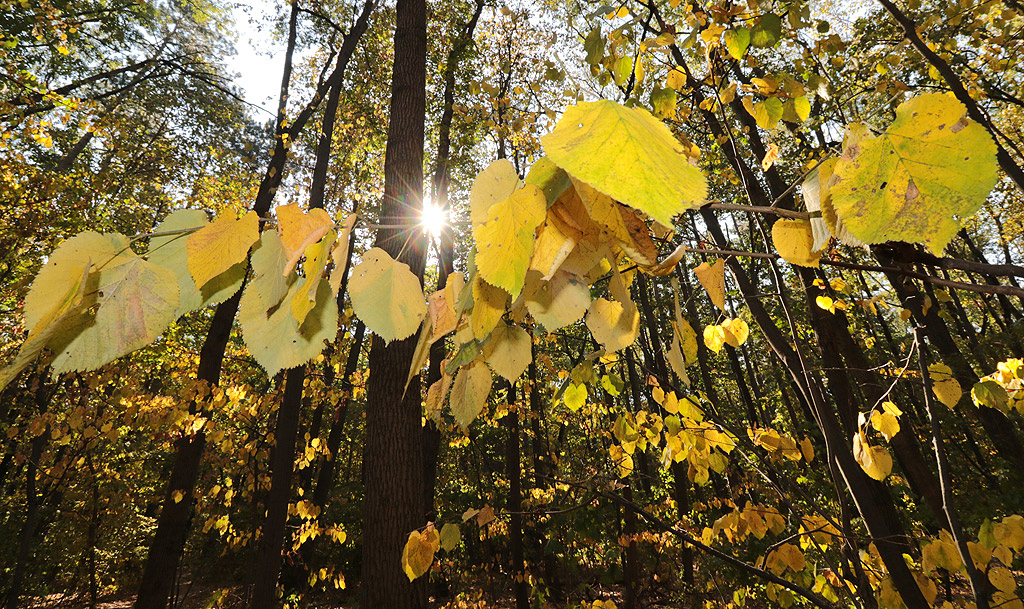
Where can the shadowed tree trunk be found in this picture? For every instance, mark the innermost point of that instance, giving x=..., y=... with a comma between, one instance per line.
x=392, y=455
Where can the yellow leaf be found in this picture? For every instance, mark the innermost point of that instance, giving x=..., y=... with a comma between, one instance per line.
x=941, y=553
x=559, y=302
x=436, y=394
x=628, y=155
x=623, y=461
x=736, y=331
x=1002, y=579
x=615, y=325
x=874, y=460
x=916, y=181
x=469, y=392
x=770, y=156
x=555, y=241
x=495, y=184
x=316, y=261
x=505, y=239
x=509, y=351
x=712, y=277
x=885, y=423
x=946, y=388
x=299, y=230
x=793, y=240
x=220, y=245
x=419, y=551
x=441, y=307
x=807, y=449
x=485, y=516
x=714, y=337
x=488, y=307
x=386, y=296
x=618, y=224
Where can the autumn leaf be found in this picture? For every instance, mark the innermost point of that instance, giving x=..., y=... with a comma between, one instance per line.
x=712, y=277
x=299, y=230
x=450, y=536
x=340, y=253
x=494, y=184
x=168, y=249
x=418, y=554
x=945, y=387
x=509, y=351
x=628, y=155
x=504, y=240
x=267, y=260
x=469, y=392
x=793, y=239
x=874, y=460
x=277, y=342
x=615, y=325
x=916, y=181
x=488, y=307
x=380, y=279
x=220, y=245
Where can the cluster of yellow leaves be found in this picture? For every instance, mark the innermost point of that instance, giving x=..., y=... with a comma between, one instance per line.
x=754, y=519
x=780, y=445
x=732, y=332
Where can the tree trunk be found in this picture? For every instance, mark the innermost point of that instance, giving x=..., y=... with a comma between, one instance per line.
x=268, y=553
x=392, y=455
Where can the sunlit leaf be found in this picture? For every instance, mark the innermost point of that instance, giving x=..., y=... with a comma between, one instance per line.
x=916, y=182
x=793, y=239
x=504, y=240
x=221, y=245
x=418, y=554
x=615, y=325
x=628, y=155
x=493, y=185
x=386, y=296
x=469, y=392
x=509, y=351
x=712, y=277
x=299, y=230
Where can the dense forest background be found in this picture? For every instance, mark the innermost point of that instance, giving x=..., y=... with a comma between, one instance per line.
x=759, y=351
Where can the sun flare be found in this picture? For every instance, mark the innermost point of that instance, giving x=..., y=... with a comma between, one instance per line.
x=433, y=219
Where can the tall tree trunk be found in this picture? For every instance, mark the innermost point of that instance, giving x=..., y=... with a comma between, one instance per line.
x=520, y=589
x=268, y=553
x=28, y=529
x=392, y=455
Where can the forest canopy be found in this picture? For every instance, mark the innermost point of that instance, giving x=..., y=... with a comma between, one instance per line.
x=595, y=305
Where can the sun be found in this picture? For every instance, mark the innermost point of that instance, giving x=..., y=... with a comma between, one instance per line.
x=433, y=219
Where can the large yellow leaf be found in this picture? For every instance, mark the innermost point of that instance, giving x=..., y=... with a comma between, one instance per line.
x=488, y=307
x=387, y=296
x=134, y=303
x=794, y=240
x=469, y=392
x=299, y=230
x=628, y=155
x=559, y=302
x=167, y=249
x=493, y=185
x=874, y=460
x=615, y=325
x=504, y=241
x=64, y=265
x=508, y=352
x=915, y=182
x=712, y=277
x=221, y=245
x=418, y=554
x=47, y=326
x=278, y=342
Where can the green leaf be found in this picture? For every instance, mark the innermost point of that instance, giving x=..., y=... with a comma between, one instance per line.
x=919, y=179
x=767, y=31
x=737, y=41
x=504, y=241
x=169, y=251
x=509, y=351
x=550, y=178
x=387, y=296
x=221, y=245
x=134, y=303
x=594, y=46
x=277, y=341
x=450, y=536
x=628, y=155
x=663, y=100
x=469, y=392
x=990, y=394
